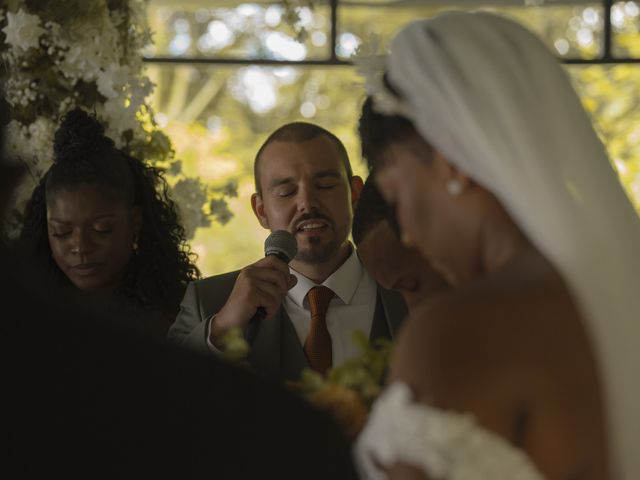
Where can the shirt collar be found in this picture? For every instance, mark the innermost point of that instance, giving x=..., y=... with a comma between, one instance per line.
x=344, y=281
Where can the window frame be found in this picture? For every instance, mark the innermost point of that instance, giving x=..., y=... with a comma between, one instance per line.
x=606, y=57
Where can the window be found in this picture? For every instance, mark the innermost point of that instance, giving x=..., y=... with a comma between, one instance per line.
x=229, y=72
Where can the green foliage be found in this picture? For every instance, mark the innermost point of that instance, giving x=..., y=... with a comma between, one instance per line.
x=610, y=95
x=236, y=347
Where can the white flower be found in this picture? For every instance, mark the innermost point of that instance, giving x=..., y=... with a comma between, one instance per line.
x=371, y=63
x=32, y=143
x=112, y=81
x=140, y=91
x=47, y=55
x=23, y=30
x=119, y=118
x=81, y=61
x=41, y=134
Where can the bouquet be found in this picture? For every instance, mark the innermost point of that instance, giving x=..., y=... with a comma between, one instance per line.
x=346, y=392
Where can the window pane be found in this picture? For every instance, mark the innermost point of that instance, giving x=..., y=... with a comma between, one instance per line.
x=235, y=29
x=571, y=29
x=625, y=25
x=218, y=116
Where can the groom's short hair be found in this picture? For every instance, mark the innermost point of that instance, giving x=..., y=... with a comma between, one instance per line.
x=298, y=132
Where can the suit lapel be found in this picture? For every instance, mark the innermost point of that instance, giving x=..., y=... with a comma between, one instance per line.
x=276, y=352
x=379, y=326
x=389, y=314
x=293, y=356
x=264, y=354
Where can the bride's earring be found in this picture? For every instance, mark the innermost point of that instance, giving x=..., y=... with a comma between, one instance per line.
x=454, y=187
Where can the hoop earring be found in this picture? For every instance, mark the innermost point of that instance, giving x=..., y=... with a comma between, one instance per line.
x=454, y=187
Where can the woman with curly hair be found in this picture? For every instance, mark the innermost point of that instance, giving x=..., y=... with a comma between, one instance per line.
x=102, y=221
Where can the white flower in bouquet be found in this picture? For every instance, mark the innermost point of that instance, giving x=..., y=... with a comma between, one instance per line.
x=23, y=30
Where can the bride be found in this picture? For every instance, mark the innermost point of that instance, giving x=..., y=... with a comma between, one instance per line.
x=526, y=369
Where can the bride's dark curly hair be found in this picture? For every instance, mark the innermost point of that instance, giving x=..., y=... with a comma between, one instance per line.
x=377, y=131
x=163, y=264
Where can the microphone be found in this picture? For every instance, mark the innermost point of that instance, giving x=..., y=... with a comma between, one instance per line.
x=281, y=244
x=284, y=246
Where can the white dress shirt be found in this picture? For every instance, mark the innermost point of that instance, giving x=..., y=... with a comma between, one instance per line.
x=351, y=309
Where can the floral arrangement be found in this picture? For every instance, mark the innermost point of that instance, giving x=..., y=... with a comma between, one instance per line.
x=60, y=54
x=346, y=392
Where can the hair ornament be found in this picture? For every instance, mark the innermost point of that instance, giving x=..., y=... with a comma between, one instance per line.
x=371, y=62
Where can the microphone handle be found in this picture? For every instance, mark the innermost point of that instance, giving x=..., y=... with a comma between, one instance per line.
x=251, y=329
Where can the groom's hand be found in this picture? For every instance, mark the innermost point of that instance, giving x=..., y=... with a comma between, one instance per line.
x=261, y=284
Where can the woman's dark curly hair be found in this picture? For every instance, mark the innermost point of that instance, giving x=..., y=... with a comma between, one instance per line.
x=162, y=266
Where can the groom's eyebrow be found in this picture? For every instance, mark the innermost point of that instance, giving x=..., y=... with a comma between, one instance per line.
x=279, y=181
x=327, y=174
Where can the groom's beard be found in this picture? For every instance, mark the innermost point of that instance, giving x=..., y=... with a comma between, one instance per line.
x=316, y=254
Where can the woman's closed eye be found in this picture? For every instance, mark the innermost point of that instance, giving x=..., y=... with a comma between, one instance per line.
x=103, y=229
x=60, y=234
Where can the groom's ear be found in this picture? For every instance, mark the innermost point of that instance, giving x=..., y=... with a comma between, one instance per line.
x=257, y=205
x=356, y=184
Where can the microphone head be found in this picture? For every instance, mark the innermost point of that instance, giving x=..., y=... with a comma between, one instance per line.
x=281, y=244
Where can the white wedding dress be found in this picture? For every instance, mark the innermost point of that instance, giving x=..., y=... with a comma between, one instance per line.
x=492, y=98
x=445, y=445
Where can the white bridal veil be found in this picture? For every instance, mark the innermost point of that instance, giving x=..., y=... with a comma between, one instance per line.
x=489, y=95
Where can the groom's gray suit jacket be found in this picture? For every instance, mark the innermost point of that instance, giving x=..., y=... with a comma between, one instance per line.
x=276, y=352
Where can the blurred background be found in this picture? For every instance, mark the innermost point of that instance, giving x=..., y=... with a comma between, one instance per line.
x=227, y=73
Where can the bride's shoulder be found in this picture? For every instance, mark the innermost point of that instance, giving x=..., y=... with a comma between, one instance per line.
x=527, y=297
x=494, y=329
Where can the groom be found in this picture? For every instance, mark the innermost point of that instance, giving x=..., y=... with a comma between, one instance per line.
x=304, y=184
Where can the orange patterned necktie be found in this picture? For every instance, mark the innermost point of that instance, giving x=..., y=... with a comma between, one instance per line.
x=317, y=346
